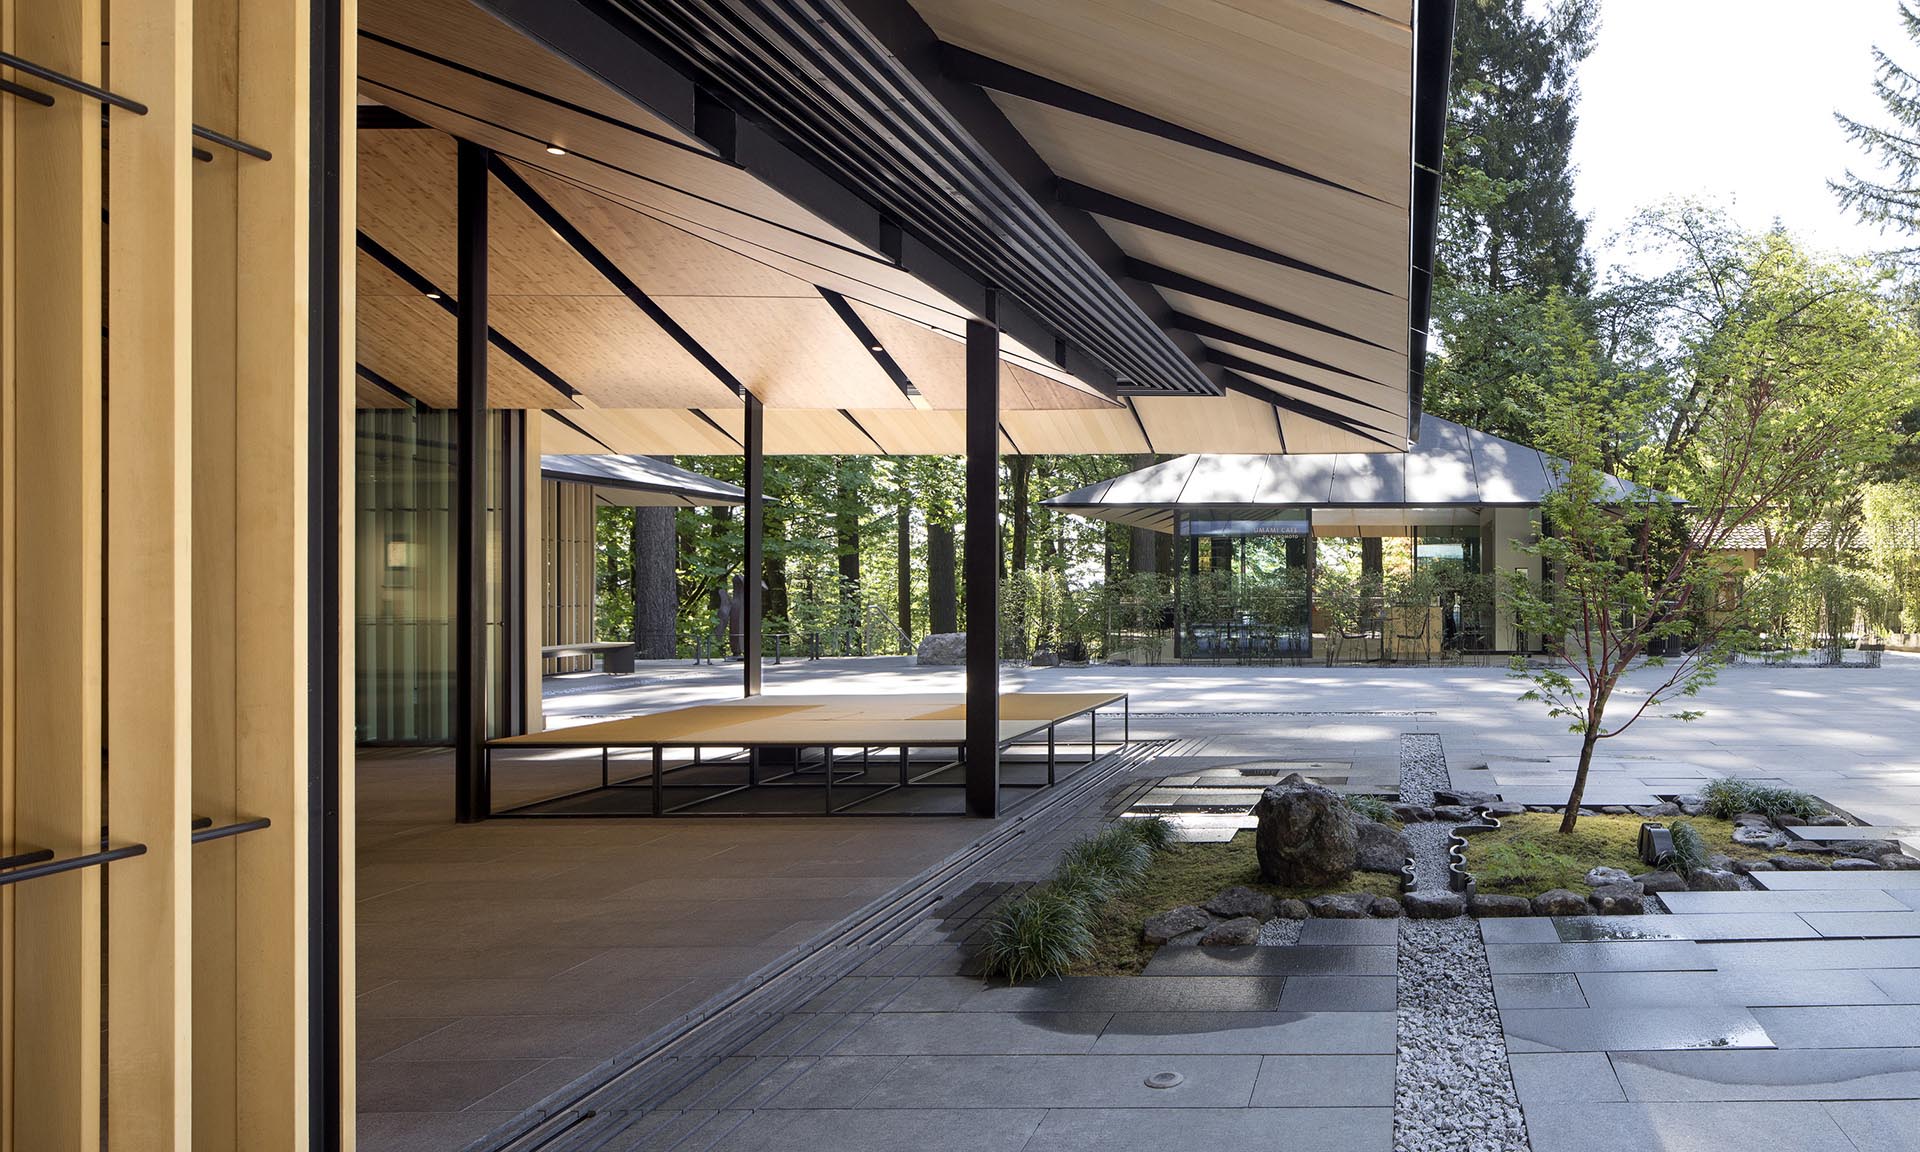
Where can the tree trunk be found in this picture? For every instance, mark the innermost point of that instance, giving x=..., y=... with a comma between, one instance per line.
x=903, y=569
x=773, y=567
x=1572, y=814
x=942, y=603
x=846, y=536
x=1021, y=470
x=654, y=544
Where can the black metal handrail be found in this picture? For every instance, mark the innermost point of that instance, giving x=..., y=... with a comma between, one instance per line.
x=226, y=141
x=72, y=83
x=25, y=93
x=29, y=856
x=71, y=863
x=205, y=831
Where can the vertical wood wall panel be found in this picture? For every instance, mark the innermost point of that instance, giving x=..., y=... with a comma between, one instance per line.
x=9, y=558
x=148, y=583
x=55, y=471
x=535, y=506
x=567, y=570
x=349, y=218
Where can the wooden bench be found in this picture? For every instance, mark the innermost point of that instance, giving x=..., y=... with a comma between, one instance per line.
x=617, y=655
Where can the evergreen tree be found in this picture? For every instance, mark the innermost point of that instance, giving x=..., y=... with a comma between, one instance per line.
x=1892, y=202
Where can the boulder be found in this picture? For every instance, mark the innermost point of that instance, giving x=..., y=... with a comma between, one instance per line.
x=1291, y=909
x=1175, y=922
x=1797, y=863
x=1754, y=836
x=1452, y=813
x=1560, y=902
x=1713, y=880
x=1613, y=810
x=1855, y=864
x=1618, y=900
x=1830, y=820
x=1755, y=866
x=1871, y=849
x=1229, y=933
x=1045, y=658
x=1239, y=901
x=1306, y=835
x=1342, y=906
x=1384, y=908
x=1603, y=875
x=1655, y=811
x=1752, y=820
x=1438, y=905
x=1382, y=849
x=1505, y=808
x=1463, y=798
x=1692, y=804
x=1489, y=906
x=1721, y=861
x=1411, y=813
x=1118, y=662
x=943, y=648
x=1662, y=881
x=1899, y=861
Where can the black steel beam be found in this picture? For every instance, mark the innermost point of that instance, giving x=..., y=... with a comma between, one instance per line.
x=614, y=274
x=1246, y=387
x=865, y=335
x=380, y=117
x=1432, y=73
x=1100, y=203
x=471, y=801
x=982, y=567
x=972, y=68
x=1248, y=367
x=1181, y=282
x=386, y=385
x=1226, y=335
x=753, y=553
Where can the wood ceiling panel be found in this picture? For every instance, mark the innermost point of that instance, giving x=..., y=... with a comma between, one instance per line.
x=1376, y=316
x=809, y=432
x=409, y=339
x=1321, y=86
x=791, y=353
x=609, y=350
x=653, y=431
x=1229, y=423
x=1378, y=399
x=1075, y=431
x=661, y=259
x=367, y=394
x=937, y=365
x=1375, y=363
x=914, y=432
x=460, y=31
x=1329, y=227
x=1022, y=388
x=558, y=439
x=435, y=95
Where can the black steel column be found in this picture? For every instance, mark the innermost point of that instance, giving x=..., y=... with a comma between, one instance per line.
x=754, y=443
x=983, y=566
x=471, y=801
x=513, y=568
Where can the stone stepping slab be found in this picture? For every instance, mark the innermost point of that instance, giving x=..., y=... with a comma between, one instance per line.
x=1664, y=1028
x=1639, y=956
x=1853, y=832
x=1254, y=960
x=1597, y=793
x=1780, y=1074
x=1750, y=903
x=1888, y=881
x=1598, y=929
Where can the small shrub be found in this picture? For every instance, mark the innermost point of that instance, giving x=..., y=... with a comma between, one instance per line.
x=1114, y=853
x=1728, y=798
x=1041, y=934
x=1156, y=832
x=1086, y=881
x=1370, y=808
x=1689, y=848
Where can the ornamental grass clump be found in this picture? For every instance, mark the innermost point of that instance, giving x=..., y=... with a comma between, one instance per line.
x=1049, y=929
x=1370, y=808
x=1727, y=798
x=1689, y=848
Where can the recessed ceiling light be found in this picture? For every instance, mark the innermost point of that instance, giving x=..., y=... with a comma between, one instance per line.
x=556, y=150
x=433, y=295
x=876, y=348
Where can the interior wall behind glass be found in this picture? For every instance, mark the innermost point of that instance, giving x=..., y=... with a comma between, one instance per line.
x=404, y=573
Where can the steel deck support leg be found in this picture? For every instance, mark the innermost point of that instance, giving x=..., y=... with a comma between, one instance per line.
x=659, y=781
x=753, y=554
x=470, y=801
x=983, y=565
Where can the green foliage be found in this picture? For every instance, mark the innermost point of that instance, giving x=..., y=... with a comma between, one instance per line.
x=1370, y=808
x=1156, y=832
x=1894, y=200
x=1040, y=934
x=1727, y=798
x=1689, y=848
x=1891, y=527
x=1114, y=855
x=1528, y=855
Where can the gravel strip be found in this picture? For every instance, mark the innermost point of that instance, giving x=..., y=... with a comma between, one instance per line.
x=1279, y=931
x=1423, y=767
x=1452, y=1089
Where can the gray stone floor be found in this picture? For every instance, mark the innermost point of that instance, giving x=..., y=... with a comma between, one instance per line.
x=501, y=962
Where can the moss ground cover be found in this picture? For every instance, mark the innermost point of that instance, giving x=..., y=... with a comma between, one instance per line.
x=1189, y=874
x=1528, y=855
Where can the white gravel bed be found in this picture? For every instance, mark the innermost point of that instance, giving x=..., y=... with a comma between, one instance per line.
x=1279, y=931
x=1423, y=768
x=1452, y=1089
x=1429, y=844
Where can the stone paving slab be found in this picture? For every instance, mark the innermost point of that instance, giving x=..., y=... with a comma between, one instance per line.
x=1645, y=956
x=1780, y=955
x=1232, y=1033
x=1098, y=994
x=1335, y=993
x=1692, y=1127
x=1253, y=960
x=1852, y=1026
x=986, y=1130
x=1778, y=1074
x=1324, y=1082
x=1103, y=1081
x=1878, y=1125
x=1851, y=832
x=1519, y=930
x=1858, y=924
x=974, y=1033
x=1596, y=794
x=1638, y=1029
x=1749, y=988
x=1563, y=1078
x=1839, y=881
x=1518, y=990
x=1294, y=1129
x=1683, y=926
x=1321, y=931
x=1747, y=903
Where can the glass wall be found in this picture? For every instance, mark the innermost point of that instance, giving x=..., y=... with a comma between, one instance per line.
x=1245, y=590
x=404, y=564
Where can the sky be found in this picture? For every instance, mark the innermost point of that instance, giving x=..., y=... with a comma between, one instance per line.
x=1731, y=101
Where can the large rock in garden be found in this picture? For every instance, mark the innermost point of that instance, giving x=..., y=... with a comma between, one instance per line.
x=1452, y=813
x=1411, y=813
x=1603, y=875
x=1239, y=901
x=1434, y=905
x=943, y=648
x=1755, y=836
x=1754, y=866
x=1229, y=933
x=1306, y=836
x=1506, y=808
x=1177, y=922
x=1560, y=902
x=1382, y=848
x=1618, y=900
x=1462, y=798
x=1655, y=811
x=1899, y=861
x=1342, y=906
x=1855, y=864
x=1491, y=905
x=1291, y=909
x=1662, y=881
x=1713, y=880
x=1045, y=658
x=1384, y=908
x=1797, y=863
x=1871, y=849
x=1692, y=804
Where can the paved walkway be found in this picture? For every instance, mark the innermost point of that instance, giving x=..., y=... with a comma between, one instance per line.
x=460, y=949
